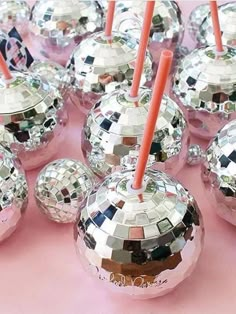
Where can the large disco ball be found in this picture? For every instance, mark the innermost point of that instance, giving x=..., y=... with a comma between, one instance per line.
x=33, y=118
x=143, y=249
x=14, y=193
x=115, y=126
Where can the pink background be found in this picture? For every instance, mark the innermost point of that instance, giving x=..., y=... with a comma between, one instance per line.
x=40, y=272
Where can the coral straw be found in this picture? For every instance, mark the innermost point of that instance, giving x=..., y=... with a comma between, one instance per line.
x=4, y=69
x=158, y=91
x=110, y=17
x=142, y=48
x=216, y=25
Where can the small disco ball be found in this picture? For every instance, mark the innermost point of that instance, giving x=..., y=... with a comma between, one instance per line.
x=220, y=171
x=143, y=249
x=14, y=13
x=56, y=25
x=55, y=74
x=167, y=28
x=195, y=155
x=61, y=189
x=205, y=87
x=227, y=17
x=196, y=18
x=14, y=193
x=116, y=123
x=100, y=67
x=33, y=118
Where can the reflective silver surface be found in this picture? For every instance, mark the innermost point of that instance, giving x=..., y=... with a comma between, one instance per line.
x=196, y=18
x=227, y=17
x=33, y=118
x=57, y=22
x=115, y=125
x=13, y=192
x=167, y=28
x=14, y=13
x=141, y=249
x=61, y=188
x=195, y=155
x=205, y=83
x=220, y=171
x=55, y=74
x=101, y=66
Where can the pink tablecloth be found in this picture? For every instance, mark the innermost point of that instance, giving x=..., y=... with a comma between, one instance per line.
x=40, y=272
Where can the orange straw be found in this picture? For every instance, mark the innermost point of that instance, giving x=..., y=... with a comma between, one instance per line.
x=158, y=91
x=216, y=25
x=4, y=69
x=142, y=48
x=110, y=17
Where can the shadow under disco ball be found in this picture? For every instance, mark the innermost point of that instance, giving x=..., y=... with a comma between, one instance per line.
x=167, y=28
x=115, y=126
x=139, y=249
x=33, y=118
x=227, y=17
x=219, y=172
x=56, y=25
x=13, y=193
x=204, y=85
x=101, y=66
x=61, y=188
x=14, y=13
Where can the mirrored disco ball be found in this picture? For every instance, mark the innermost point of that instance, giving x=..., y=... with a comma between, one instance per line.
x=33, y=118
x=14, y=13
x=61, y=188
x=141, y=249
x=55, y=74
x=115, y=125
x=195, y=155
x=100, y=67
x=167, y=28
x=227, y=17
x=196, y=18
x=13, y=191
x=57, y=24
x=220, y=171
x=205, y=86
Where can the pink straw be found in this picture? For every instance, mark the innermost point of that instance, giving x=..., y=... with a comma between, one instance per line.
x=110, y=18
x=216, y=25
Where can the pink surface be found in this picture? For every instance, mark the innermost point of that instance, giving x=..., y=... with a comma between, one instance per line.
x=40, y=272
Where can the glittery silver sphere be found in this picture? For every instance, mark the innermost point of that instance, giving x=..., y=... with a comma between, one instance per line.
x=115, y=125
x=55, y=74
x=220, y=171
x=61, y=188
x=57, y=24
x=33, y=118
x=167, y=28
x=13, y=193
x=14, y=13
x=195, y=155
x=205, y=84
x=141, y=249
x=100, y=66
x=196, y=18
x=129, y=162
x=227, y=17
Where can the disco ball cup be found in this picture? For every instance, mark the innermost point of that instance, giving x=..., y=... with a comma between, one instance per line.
x=14, y=193
x=14, y=13
x=55, y=74
x=167, y=28
x=100, y=67
x=227, y=17
x=140, y=249
x=219, y=172
x=204, y=85
x=61, y=188
x=57, y=25
x=115, y=126
x=32, y=118
x=196, y=18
